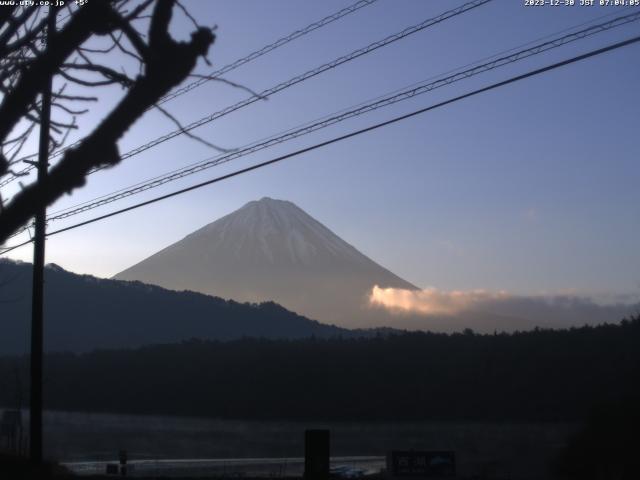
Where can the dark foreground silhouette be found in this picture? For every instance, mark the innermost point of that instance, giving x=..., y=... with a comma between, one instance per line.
x=510, y=379
x=607, y=447
x=19, y=468
x=542, y=375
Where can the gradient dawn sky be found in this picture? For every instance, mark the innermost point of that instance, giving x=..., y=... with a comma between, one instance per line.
x=531, y=188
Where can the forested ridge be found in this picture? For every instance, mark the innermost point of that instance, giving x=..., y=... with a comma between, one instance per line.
x=84, y=313
x=540, y=375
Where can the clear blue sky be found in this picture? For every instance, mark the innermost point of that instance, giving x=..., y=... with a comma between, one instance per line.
x=532, y=188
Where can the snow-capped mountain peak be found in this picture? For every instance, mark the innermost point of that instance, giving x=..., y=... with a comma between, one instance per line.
x=271, y=250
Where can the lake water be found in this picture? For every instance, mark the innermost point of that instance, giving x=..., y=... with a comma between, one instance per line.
x=168, y=446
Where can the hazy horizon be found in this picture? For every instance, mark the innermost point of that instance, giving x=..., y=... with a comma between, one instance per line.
x=271, y=250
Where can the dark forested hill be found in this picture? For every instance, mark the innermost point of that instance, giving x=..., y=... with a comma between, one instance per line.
x=85, y=312
x=539, y=375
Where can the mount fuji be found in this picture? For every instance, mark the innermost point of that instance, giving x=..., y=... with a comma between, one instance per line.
x=271, y=250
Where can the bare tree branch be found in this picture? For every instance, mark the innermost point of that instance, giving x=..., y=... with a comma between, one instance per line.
x=230, y=83
x=166, y=63
x=189, y=134
x=82, y=25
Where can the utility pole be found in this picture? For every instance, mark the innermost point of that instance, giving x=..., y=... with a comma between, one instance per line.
x=35, y=406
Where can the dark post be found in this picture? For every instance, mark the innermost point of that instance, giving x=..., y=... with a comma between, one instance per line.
x=35, y=406
x=316, y=454
x=122, y=456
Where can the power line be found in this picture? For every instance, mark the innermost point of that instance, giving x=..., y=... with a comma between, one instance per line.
x=310, y=74
x=324, y=117
x=331, y=120
x=493, y=86
x=241, y=61
x=310, y=127
x=286, y=84
x=268, y=48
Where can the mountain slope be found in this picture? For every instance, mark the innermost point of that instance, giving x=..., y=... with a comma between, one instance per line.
x=84, y=312
x=272, y=250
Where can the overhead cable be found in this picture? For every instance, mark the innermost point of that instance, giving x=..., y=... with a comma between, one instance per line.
x=296, y=153
x=283, y=85
x=331, y=120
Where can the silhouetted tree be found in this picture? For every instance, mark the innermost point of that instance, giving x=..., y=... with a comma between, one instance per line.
x=607, y=446
x=27, y=59
x=543, y=375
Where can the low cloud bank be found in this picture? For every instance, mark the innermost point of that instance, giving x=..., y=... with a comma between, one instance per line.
x=431, y=301
x=482, y=310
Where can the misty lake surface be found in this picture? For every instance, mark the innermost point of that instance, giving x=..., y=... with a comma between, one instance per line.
x=168, y=445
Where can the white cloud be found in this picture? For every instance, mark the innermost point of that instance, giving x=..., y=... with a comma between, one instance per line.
x=483, y=310
x=432, y=301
